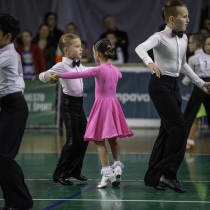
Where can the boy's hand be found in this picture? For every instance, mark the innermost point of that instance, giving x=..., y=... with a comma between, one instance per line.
x=206, y=87
x=155, y=70
x=49, y=78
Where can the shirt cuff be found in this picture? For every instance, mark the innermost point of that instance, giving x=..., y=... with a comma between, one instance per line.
x=147, y=60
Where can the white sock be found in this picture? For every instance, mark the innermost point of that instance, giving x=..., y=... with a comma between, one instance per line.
x=117, y=163
x=190, y=141
x=106, y=170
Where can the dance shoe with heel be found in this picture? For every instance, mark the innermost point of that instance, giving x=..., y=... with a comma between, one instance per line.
x=108, y=175
x=117, y=166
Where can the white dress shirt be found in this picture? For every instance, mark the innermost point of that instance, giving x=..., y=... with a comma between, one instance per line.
x=11, y=73
x=200, y=64
x=72, y=87
x=169, y=54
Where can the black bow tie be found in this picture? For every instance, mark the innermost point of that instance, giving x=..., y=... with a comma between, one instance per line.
x=76, y=63
x=179, y=34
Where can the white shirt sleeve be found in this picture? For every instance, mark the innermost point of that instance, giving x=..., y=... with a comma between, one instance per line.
x=150, y=43
x=57, y=68
x=120, y=58
x=186, y=80
x=186, y=69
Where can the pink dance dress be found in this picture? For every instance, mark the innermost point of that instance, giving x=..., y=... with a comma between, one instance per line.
x=106, y=118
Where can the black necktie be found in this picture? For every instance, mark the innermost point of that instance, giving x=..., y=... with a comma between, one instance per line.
x=76, y=63
x=179, y=34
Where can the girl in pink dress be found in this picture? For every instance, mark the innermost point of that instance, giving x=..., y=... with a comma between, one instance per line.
x=106, y=120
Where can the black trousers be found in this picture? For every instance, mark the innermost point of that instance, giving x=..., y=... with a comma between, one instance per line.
x=73, y=152
x=14, y=114
x=169, y=148
x=197, y=98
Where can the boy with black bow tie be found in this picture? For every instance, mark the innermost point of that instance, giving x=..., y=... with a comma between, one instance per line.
x=71, y=109
x=169, y=47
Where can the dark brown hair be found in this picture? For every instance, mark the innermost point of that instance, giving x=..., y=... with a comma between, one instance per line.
x=65, y=40
x=199, y=39
x=8, y=24
x=105, y=48
x=170, y=9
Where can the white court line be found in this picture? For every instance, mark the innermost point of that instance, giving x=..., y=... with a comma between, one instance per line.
x=100, y=200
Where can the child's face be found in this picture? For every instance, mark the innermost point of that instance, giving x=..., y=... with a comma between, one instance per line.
x=181, y=20
x=4, y=40
x=26, y=38
x=74, y=50
x=112, y=38
x=207, y=46
x=191, y=44
x=96, y=55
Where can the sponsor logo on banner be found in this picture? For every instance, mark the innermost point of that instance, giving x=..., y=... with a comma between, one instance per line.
x=133, y=97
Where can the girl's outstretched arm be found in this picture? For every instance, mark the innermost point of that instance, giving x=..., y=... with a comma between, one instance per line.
x=92, y=72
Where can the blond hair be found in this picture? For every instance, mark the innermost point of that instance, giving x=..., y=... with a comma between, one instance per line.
x=65, y=40
x=171, y=9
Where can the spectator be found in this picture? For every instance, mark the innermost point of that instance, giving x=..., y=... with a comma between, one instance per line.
x=32, y=60
x=118, y=58
x=50, y=18
x=71, y=28
x=86, y=57
x=46, y=45
x=205, y=32
x=122, y=37
x=206, y=23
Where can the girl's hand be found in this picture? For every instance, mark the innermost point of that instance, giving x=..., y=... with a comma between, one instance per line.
x=49, y=78
x=155, y=70
x=56, y=76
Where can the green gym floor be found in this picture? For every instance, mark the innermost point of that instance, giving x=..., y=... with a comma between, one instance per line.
x=40, y=151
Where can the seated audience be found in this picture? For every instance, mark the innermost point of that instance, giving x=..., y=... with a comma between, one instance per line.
x=118, y=58
x=32, y=59
x=122, y=37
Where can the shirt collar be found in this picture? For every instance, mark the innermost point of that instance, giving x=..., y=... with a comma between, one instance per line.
x=169, y=30
x=7, y=47
x=198, y=51
x=68, y=61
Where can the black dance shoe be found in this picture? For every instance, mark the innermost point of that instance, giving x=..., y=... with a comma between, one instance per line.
x=172, y=184
x=158, y=187
x=79, y=177
x=63, y=181
x=177, y=183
